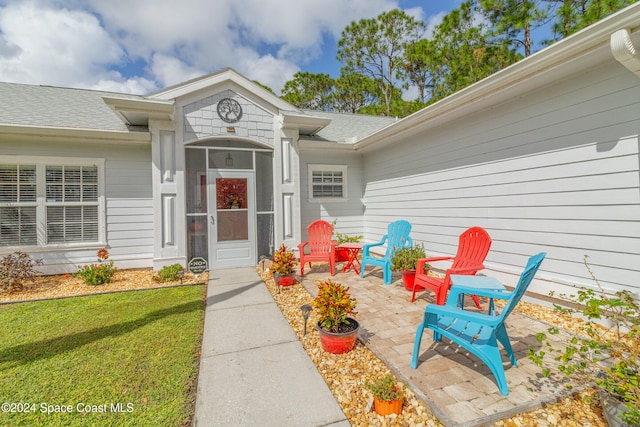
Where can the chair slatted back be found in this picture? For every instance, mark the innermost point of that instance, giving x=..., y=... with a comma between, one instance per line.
x=523, y=283
x=473, y=247
x=398, y=237
x=320, y=234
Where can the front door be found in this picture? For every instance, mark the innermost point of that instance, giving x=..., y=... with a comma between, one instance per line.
x=232, y=219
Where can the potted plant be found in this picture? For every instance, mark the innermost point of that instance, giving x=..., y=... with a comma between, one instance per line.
x=284, y=266
x=387, y=395
x=608, y=356
x=334, y=303
x=405, y=260
x=342, y=254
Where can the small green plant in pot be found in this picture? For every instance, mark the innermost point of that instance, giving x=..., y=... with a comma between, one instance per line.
x=334, y=304
x=387, y=395
x=608, y=356
x=284, y=265
x=405, y=260
x=343, y=254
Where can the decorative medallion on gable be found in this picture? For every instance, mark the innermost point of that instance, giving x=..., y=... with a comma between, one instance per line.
x=229, y=110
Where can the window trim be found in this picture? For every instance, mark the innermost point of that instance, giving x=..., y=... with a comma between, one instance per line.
x=41, y=162
x=323, y=168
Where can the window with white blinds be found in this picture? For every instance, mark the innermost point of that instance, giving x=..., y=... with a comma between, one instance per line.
x=63, y=200
x=327, y=182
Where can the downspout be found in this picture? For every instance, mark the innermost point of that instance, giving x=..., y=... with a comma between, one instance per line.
x=624, y=51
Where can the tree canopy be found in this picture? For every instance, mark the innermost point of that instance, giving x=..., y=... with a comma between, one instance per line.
x=385, y=55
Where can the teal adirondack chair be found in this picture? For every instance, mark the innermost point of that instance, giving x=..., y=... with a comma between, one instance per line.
x=397, y=237
x=478, y=333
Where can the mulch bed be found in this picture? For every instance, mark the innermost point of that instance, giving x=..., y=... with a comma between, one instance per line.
x=61, y=286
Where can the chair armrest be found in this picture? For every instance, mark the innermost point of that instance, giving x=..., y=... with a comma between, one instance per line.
x=422, y=261
x=466, y=270
x=452, y=311
x=456, y=290
x=365, y=248
x=302, y=245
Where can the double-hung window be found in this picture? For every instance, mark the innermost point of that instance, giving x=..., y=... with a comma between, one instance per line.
x=44, y=202
x=327, y=182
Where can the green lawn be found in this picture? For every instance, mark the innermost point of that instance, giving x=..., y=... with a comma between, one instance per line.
x=124, y=359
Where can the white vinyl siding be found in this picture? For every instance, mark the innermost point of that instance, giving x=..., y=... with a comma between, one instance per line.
x=555, y=170
x=45, y=202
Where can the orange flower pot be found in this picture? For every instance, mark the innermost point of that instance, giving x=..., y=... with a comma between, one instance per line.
x=339, y=342
x=384, y=407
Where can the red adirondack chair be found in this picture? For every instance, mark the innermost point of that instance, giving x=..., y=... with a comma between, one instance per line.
x=473, y=248
x=321, y=246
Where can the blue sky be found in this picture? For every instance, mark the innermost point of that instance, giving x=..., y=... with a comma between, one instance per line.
x=139, y=46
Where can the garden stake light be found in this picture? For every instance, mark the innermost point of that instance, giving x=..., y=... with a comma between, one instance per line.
x=305, y=314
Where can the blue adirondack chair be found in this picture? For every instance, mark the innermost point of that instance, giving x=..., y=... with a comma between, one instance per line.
x=397, y=237
x=479, y=333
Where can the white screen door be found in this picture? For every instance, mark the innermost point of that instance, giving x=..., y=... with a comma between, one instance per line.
x=232, y=219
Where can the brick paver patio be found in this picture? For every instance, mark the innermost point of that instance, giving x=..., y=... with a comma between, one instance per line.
x=457, y=386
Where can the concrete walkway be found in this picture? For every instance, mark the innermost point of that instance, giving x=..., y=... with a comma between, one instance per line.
x=253, y=369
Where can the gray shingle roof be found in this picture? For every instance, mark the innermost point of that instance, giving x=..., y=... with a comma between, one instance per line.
x=346, y=127
x=58, y=107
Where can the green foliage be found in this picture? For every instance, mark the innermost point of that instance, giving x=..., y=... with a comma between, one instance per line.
x=308, y=90
x=465, y=55
x=406, y=258
x=574, y=15
x=128, y=347
x=353, y=92
x=386, y=54
x=168, y=273
x=609, y=354
x=98, y=274
x=284, y=261
x=344, y=238
x=385, y=388
x=512, y=21
x=333, y=304
x=375, y=48
x=16, y=269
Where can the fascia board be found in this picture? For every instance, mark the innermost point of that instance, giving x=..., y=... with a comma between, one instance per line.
x=75, y=133
x=193, y=87
x=306, y=144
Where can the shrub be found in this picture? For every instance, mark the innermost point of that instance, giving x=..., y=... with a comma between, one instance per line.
x=98, y=274
x=168, y=273
x=385, y=388
x=333, y=303
x=284, y=261
x=344, y=238
x=406, y=258
x=16, y=269
x=610, y=355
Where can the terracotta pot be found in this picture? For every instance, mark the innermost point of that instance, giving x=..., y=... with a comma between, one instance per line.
x=409, y=277
x=387, y=407
x=339, y=342
x=285, y=279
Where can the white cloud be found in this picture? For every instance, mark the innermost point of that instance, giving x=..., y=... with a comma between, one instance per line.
x=141, y=45
x=57, y=47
